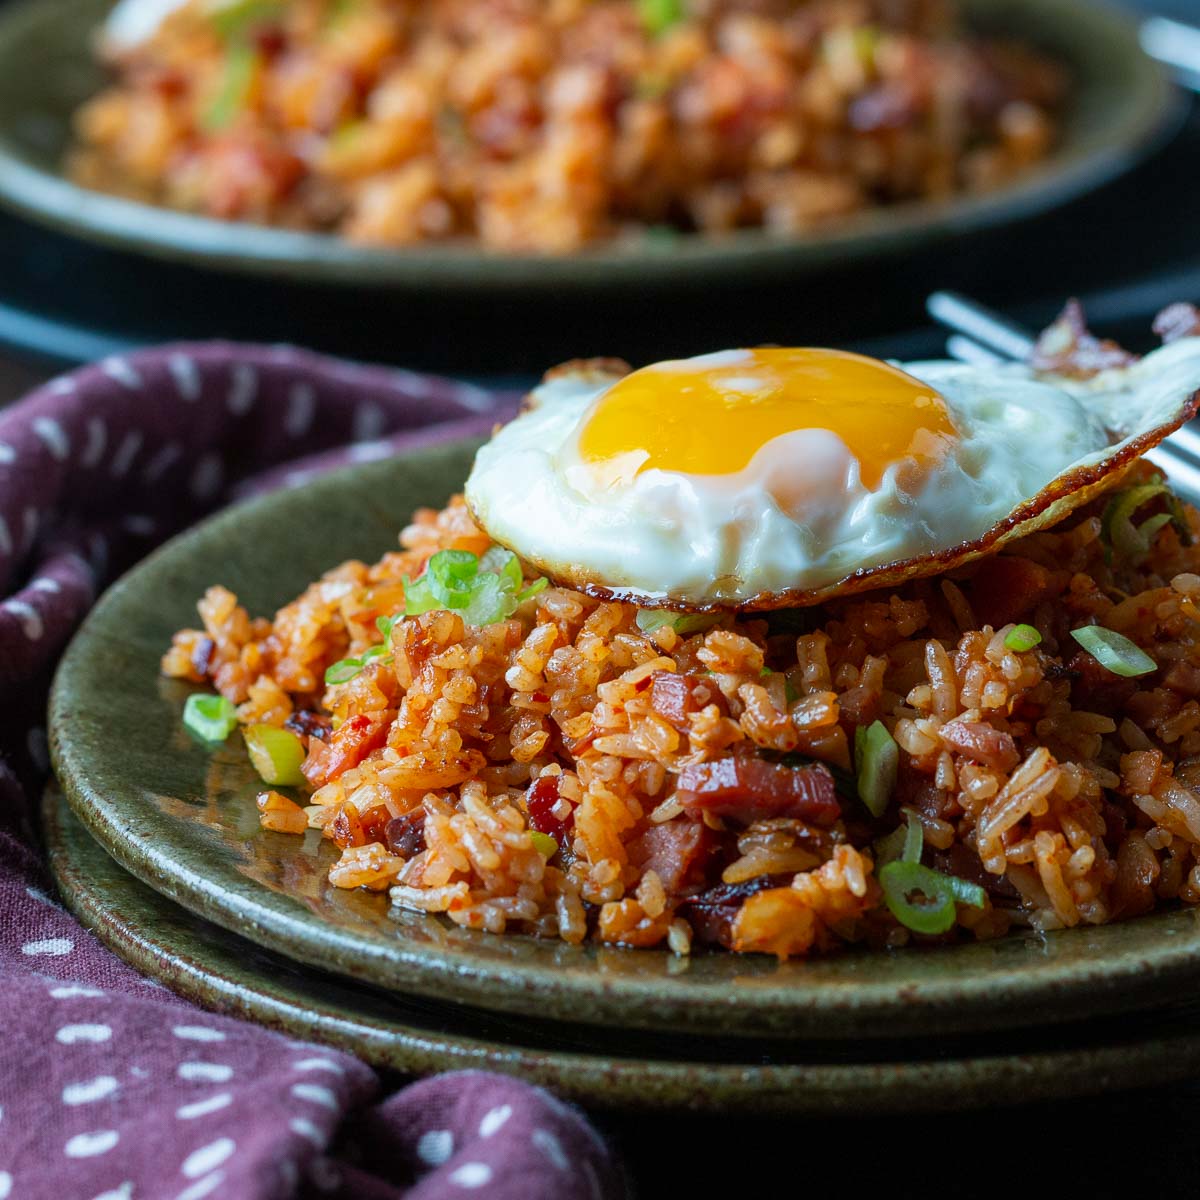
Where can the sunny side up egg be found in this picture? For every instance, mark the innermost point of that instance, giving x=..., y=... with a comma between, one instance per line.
x=753, y=479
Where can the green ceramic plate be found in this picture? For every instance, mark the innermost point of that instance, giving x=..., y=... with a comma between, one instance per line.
x=1122, y=102
x=184, y=820
x=620, y=1069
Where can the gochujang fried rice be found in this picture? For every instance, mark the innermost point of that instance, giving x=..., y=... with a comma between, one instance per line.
x=529, y=126
x=1001, y=732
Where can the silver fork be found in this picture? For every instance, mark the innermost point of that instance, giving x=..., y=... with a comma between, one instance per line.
x=980, y=335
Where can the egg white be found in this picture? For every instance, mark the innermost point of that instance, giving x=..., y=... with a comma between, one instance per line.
x=797, y=520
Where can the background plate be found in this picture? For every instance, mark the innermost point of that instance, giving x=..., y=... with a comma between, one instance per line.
x=1121, y=102
x=614, y=1069
x=184, y=821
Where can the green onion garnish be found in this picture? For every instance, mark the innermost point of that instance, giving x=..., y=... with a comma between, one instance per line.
x=503, y=563
x=903, y=844
x=1022, y=638
x=936, y=912
x=237, y=76
x=276, y=754
x=483, y=590
x=876, y=760
x=211, y=718
x=657, y=16
x=1133, y=542
x=235, y=17
x=544, y=844
x=342, y=671
x=650, y=619
x=1114, y=651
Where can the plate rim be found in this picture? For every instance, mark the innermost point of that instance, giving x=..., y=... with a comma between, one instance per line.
x=1146, y=116
x=935, y=1082
x=896, y=1005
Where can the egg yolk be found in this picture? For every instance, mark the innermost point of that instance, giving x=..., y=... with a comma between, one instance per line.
x=710, y=416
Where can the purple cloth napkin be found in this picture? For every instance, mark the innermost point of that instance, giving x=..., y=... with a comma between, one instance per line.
x=111, y=1088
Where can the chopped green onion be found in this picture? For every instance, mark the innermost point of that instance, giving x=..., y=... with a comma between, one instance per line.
x=237, y=76
x=1022, y=638
x=877, y=759
x=650, y=619
x=936, y=913
x=379, y=650
x=342, y=671
x=234, y=17
x=483, y=590
x=1114, y=651
x=452, y=575
x=914, y=837
x=419, y=597
x=538, y=585
x=657, y=16
x=276, y=754
x=488, y=601
x=544, y=844
x=504, y=563
x=384, y=625
x=211, y=718
x=1133, y=542
x=904, y=844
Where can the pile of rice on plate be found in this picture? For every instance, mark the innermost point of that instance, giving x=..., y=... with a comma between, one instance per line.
x=535, y=126
x=927, y=762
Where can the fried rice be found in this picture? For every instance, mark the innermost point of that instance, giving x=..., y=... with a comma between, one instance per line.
x=659, y=762
x=544, y=127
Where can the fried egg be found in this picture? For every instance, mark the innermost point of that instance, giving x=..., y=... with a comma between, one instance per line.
x=754, y=479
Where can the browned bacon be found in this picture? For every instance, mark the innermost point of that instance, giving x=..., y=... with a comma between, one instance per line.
x=1007, y=588
x=981, y=743
x=675, y=697
x=751, y=789
x=677, y=852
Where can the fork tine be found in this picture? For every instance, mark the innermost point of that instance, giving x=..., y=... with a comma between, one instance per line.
x=958, y=313
x=1182, y=472
x=1186, y=439
x=968, y=350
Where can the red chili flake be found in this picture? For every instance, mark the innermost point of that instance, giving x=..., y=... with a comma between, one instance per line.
x=540, y=799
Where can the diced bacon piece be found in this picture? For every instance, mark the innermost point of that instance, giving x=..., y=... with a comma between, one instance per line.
x=1096, y=689
x=1008, y=587
x=1183, y=678
x=677, y=851
x=981, y=743
x=675, y=697
x=712, y=913
x=752, y=789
